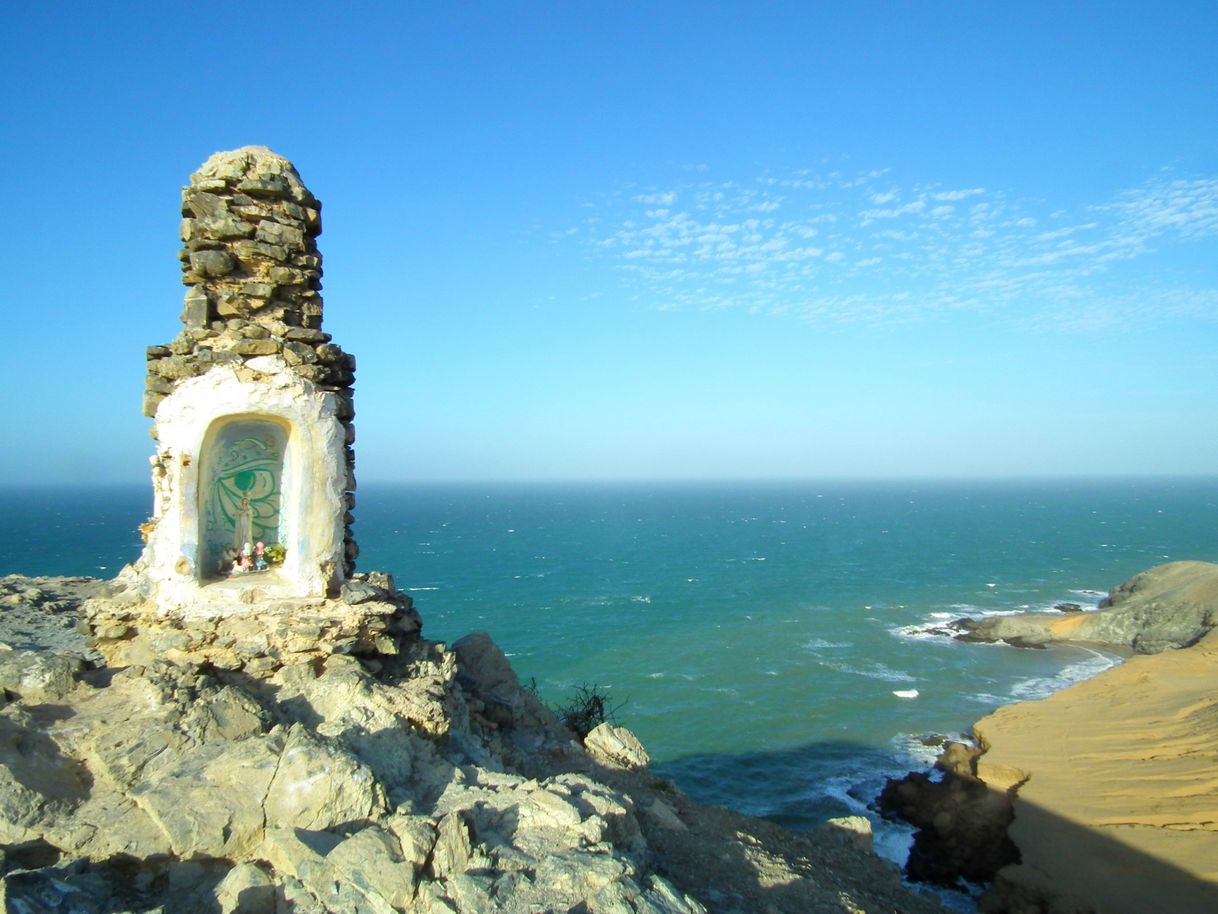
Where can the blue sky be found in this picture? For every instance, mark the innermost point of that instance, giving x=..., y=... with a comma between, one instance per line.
x=647, y=240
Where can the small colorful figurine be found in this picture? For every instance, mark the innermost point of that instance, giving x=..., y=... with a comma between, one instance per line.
x=260, y=556
x=247, y=557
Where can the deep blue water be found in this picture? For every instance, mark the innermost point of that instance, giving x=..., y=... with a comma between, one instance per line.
x=755, y=633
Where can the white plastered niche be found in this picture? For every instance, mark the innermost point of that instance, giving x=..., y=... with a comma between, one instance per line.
x=314, y=480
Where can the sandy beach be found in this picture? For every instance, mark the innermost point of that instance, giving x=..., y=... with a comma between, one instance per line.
x=1120, y=803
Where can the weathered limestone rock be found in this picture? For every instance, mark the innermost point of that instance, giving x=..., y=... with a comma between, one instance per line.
x=246, y=889
x=38, y=674
x=616, y=746
x=130, y=628
x=497, y=700
x=317, y=785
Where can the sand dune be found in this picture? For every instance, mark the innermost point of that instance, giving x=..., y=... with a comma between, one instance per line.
x=1120, y=804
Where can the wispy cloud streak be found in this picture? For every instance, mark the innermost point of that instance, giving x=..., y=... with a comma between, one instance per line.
x=864, y=248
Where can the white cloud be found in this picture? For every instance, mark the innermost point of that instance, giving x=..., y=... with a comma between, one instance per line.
x=668, y=198
x=951, y=196
x=846, y=251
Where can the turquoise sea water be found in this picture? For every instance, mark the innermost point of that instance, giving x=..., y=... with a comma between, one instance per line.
x=755, y=635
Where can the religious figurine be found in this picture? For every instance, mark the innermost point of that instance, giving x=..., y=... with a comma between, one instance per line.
x=260, y=556
x=243, y=525
x=247, y=557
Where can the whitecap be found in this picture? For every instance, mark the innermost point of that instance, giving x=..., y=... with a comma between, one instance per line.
x=414, y=589
x=816, y=644
x=870, y=671
x=905, y=693
x=640, y=599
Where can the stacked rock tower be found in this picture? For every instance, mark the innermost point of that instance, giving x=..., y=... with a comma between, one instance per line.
x=253, y=402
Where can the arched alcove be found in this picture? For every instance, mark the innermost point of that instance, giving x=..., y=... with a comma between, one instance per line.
x=242, y=499
x=267, y=437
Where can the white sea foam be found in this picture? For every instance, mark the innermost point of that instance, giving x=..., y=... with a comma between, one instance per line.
x=1043, y=686
x=915, y=752
x=933, y=624
x=640, y=598
x=416, y=589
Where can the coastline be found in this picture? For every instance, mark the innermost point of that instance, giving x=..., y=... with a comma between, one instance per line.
x=1113, y=800
x=1102, y=796
x=1117, y=800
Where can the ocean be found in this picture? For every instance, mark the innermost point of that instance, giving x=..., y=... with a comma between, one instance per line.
x=768, y=642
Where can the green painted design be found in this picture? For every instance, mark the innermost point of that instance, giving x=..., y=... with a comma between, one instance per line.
x=241, y=495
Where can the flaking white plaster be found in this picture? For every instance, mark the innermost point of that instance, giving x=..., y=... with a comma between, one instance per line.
x=312, y=486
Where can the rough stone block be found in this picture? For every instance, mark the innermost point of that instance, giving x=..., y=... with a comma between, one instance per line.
x=289, y=237
x=212, y=263
x=196, y=309
x=258, y=289
x=265, y=186
x=256, y=347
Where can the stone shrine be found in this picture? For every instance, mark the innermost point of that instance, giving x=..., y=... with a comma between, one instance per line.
x=252, y=402
x=254, y=471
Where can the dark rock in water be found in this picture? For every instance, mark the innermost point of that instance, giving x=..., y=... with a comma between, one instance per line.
x=1024, y=641
x=1068, y=607
x=962, y=827
x=958, y=759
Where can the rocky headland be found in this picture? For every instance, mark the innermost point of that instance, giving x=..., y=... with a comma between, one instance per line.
x=191, y=765
x=1104, y=796
x=1168, y=607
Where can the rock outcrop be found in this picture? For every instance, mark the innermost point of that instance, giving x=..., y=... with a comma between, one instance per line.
x=356, y=778
x=1169, y=606
x=369, y=618
x=962, y=822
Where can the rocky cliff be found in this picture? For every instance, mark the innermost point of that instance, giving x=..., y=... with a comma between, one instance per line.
x=384, y=774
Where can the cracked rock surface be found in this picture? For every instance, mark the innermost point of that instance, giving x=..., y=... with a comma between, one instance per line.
x=429, y=781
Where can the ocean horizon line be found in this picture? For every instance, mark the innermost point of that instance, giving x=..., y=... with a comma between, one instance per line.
x=684, y=481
